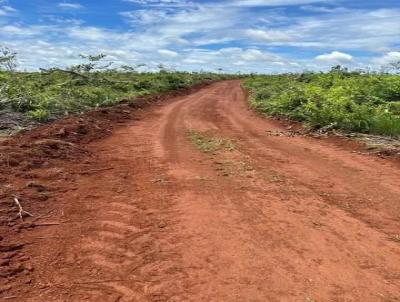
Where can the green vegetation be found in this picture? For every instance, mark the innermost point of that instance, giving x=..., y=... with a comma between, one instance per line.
x=209, y=144
x=55, y=92
x=351, y=101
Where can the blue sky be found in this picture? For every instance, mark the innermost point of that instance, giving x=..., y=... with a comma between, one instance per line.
x=235, y=35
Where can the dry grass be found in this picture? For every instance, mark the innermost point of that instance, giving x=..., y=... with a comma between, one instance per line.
x=209, y=144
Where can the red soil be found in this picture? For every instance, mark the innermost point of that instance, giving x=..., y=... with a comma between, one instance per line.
x=135, y=212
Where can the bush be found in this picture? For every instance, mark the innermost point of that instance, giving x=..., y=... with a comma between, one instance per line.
x=40, y=115
x=57, y=92
x=367, y=103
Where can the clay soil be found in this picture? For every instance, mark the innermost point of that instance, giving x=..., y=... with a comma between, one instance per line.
x=127, y=206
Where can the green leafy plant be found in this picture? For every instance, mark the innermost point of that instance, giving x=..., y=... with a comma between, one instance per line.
x=351, y=101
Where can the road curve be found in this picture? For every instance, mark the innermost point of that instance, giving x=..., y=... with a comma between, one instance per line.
x=276, y=217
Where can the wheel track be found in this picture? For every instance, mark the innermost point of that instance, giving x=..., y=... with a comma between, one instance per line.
x=164, y=225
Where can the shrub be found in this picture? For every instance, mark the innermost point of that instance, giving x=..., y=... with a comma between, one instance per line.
x=40, y=115
x=367, y=103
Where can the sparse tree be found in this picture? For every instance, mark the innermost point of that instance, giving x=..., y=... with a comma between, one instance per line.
x=8, y=59
x=84, y=70
x=395, y=66
x=162, y=68
x=92, y=64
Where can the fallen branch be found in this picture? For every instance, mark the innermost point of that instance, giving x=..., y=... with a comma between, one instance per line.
x=21, y=211
x=42, y=216
x=55, y=237
x=71, y=72
x=46, y=224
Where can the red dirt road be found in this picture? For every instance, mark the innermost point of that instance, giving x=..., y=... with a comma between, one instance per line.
x=276, y=218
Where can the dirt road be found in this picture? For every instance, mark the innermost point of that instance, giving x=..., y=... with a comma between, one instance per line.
x=263, y=216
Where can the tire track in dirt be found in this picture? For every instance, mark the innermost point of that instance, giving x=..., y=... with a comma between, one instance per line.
x=273, y=219
x=231, y=115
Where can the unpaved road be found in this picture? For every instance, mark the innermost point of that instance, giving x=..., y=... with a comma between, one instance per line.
x=273, y=218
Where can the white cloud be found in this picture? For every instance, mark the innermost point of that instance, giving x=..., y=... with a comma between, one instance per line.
x=157, y=2
x=355, y=29
x=69, y=5
x=6, y=10
x=193, y=61
x=144, y=16
x=335, y=57
x=167, y=53
x=268, y=35
x=272, y=2
x=16, y=30
x=388, y=58
x=324, y=9
x=245, y=35
x=87, y=33
x=257, y=55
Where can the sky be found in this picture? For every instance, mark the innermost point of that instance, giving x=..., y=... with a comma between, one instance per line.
x=264, y=36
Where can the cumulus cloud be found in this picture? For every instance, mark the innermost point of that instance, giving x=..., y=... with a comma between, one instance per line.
x=335, y=57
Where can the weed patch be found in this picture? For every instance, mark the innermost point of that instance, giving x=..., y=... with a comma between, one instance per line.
x=209, y=144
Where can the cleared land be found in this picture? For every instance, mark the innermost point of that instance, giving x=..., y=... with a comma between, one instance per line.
x=197, y=199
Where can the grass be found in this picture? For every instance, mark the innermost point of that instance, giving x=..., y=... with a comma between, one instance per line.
x=46, y=96
x=209, y=144
x=56, y=92
x=350, y=101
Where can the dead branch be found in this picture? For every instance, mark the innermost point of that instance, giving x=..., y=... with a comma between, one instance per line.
x=83, y=76
x=71, y=72
x=42, y=216
x=46, y=224
x=21, y=211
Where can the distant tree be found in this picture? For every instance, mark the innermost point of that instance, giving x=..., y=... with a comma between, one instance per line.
x=339, y=69
x=83, y=70
x=128, y=68
x=8, y=59
x=92, y=64
x=162, y=68
x=395, y=66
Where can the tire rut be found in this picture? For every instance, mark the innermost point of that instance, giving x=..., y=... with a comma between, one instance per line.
x=264, y=221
